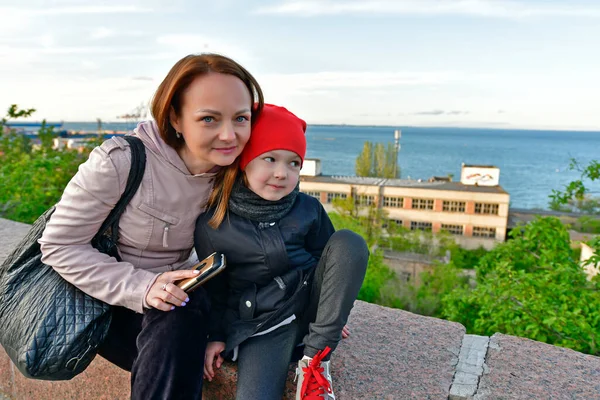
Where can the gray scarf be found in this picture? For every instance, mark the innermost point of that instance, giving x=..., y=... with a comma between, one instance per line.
x=245, y=203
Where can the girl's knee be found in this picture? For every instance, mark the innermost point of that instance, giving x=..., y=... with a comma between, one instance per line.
x=350, y=242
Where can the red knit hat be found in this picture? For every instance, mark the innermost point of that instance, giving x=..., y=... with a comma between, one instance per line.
x=275, y=129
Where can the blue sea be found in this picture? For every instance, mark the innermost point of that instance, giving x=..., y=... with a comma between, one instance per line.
x=531, y=162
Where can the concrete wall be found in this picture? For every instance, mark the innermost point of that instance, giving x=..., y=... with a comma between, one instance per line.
x=391, y=354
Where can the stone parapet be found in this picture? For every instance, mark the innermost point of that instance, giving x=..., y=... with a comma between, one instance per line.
x=391, y=354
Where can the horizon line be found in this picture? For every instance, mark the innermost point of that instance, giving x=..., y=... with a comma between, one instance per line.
x=507, y=128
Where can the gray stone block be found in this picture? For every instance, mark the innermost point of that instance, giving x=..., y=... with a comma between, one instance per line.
x=470, y=367
x=11, y=233
x=525, y=369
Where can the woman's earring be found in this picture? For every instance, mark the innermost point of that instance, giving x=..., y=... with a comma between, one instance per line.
x=178, y=135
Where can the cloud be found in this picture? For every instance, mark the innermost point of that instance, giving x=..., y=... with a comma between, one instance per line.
x=80, y=98
x=13, y=21
x=478, y=8
x=89, y=65
x=441, y=112
x=92, y=10
x=47, y=40
x=102, y=33
x=191, y=43
x=432, y=112
x=329, y=80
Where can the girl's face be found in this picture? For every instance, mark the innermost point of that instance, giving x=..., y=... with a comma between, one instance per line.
x=214, y=121
x=274, y=174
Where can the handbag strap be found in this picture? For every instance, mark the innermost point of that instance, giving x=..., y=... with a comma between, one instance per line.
x=134, y=179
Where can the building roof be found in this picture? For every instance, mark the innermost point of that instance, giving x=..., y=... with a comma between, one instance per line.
x=478, y=166
x=407, y=183
x=518, y=216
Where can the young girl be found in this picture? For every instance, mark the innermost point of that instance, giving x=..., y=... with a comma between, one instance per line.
x=290, y=278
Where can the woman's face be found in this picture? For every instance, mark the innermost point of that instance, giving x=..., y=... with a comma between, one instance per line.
x=214, y=121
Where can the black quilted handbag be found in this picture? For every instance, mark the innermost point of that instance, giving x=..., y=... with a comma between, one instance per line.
x=50, y=329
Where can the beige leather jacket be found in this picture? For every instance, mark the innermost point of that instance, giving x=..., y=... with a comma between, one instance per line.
x=156, y=231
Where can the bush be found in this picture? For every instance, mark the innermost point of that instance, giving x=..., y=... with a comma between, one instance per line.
x=33, y=176
x=466, y=259
x=378, y=274
x=425, y=299
x=531, y=286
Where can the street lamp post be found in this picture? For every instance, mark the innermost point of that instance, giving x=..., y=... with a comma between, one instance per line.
x=397, y=136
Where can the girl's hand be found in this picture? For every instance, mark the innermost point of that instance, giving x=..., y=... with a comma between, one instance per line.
x=165, y=295
x=212, y=355
x=345, y=332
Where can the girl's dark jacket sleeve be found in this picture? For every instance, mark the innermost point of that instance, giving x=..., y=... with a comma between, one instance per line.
x=217, y=288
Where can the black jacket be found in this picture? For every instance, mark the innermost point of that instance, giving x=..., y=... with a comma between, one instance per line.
x=269, y=265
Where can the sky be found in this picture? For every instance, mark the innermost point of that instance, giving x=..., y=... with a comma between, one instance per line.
x=470, y=63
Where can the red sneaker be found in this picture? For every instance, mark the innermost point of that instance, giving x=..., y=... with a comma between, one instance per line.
x=314, y=379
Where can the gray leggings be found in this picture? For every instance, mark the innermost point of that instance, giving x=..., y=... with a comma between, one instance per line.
x=263, y=361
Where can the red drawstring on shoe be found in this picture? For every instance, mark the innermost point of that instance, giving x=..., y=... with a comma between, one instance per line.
x=315, y=384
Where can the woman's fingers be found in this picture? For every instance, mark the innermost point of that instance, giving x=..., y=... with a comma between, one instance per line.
x=165, y=295
x=169, y=280
x=173, y=276
x=173, y=294
x=159, y=304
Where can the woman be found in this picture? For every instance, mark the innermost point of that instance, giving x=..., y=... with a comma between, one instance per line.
x=203, y=111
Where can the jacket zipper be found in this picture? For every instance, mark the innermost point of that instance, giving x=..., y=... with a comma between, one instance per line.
x=165, y=234
x=283, y=306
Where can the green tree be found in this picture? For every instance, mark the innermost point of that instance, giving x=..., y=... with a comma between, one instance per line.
x=422, y=242
x=378, y=273
x=364, y=161
x=33, y=177
x=377, y=276
x=575, y=196
x=425, y=299
x=377, y=160
x=368, y=221
x=532, y=287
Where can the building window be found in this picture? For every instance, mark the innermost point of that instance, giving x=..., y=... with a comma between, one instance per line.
x=420, y=226
x=364, y=200
x=453, y=229
x=453, y=206
x=316, y=195
x=484, y=232
x=486, y=208
x=396, y=202
x=422, y=204
x=392, y=223
x=331, y=196
x=405, y=276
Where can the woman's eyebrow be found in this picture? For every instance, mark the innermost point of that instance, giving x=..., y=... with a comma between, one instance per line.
x=207, y=110
x=211, y=111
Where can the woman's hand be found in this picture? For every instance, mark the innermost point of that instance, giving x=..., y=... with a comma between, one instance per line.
x=165, y=295
x=212, y=356
x=345, y=332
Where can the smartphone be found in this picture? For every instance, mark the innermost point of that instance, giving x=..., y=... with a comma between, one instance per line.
x=210, y=267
